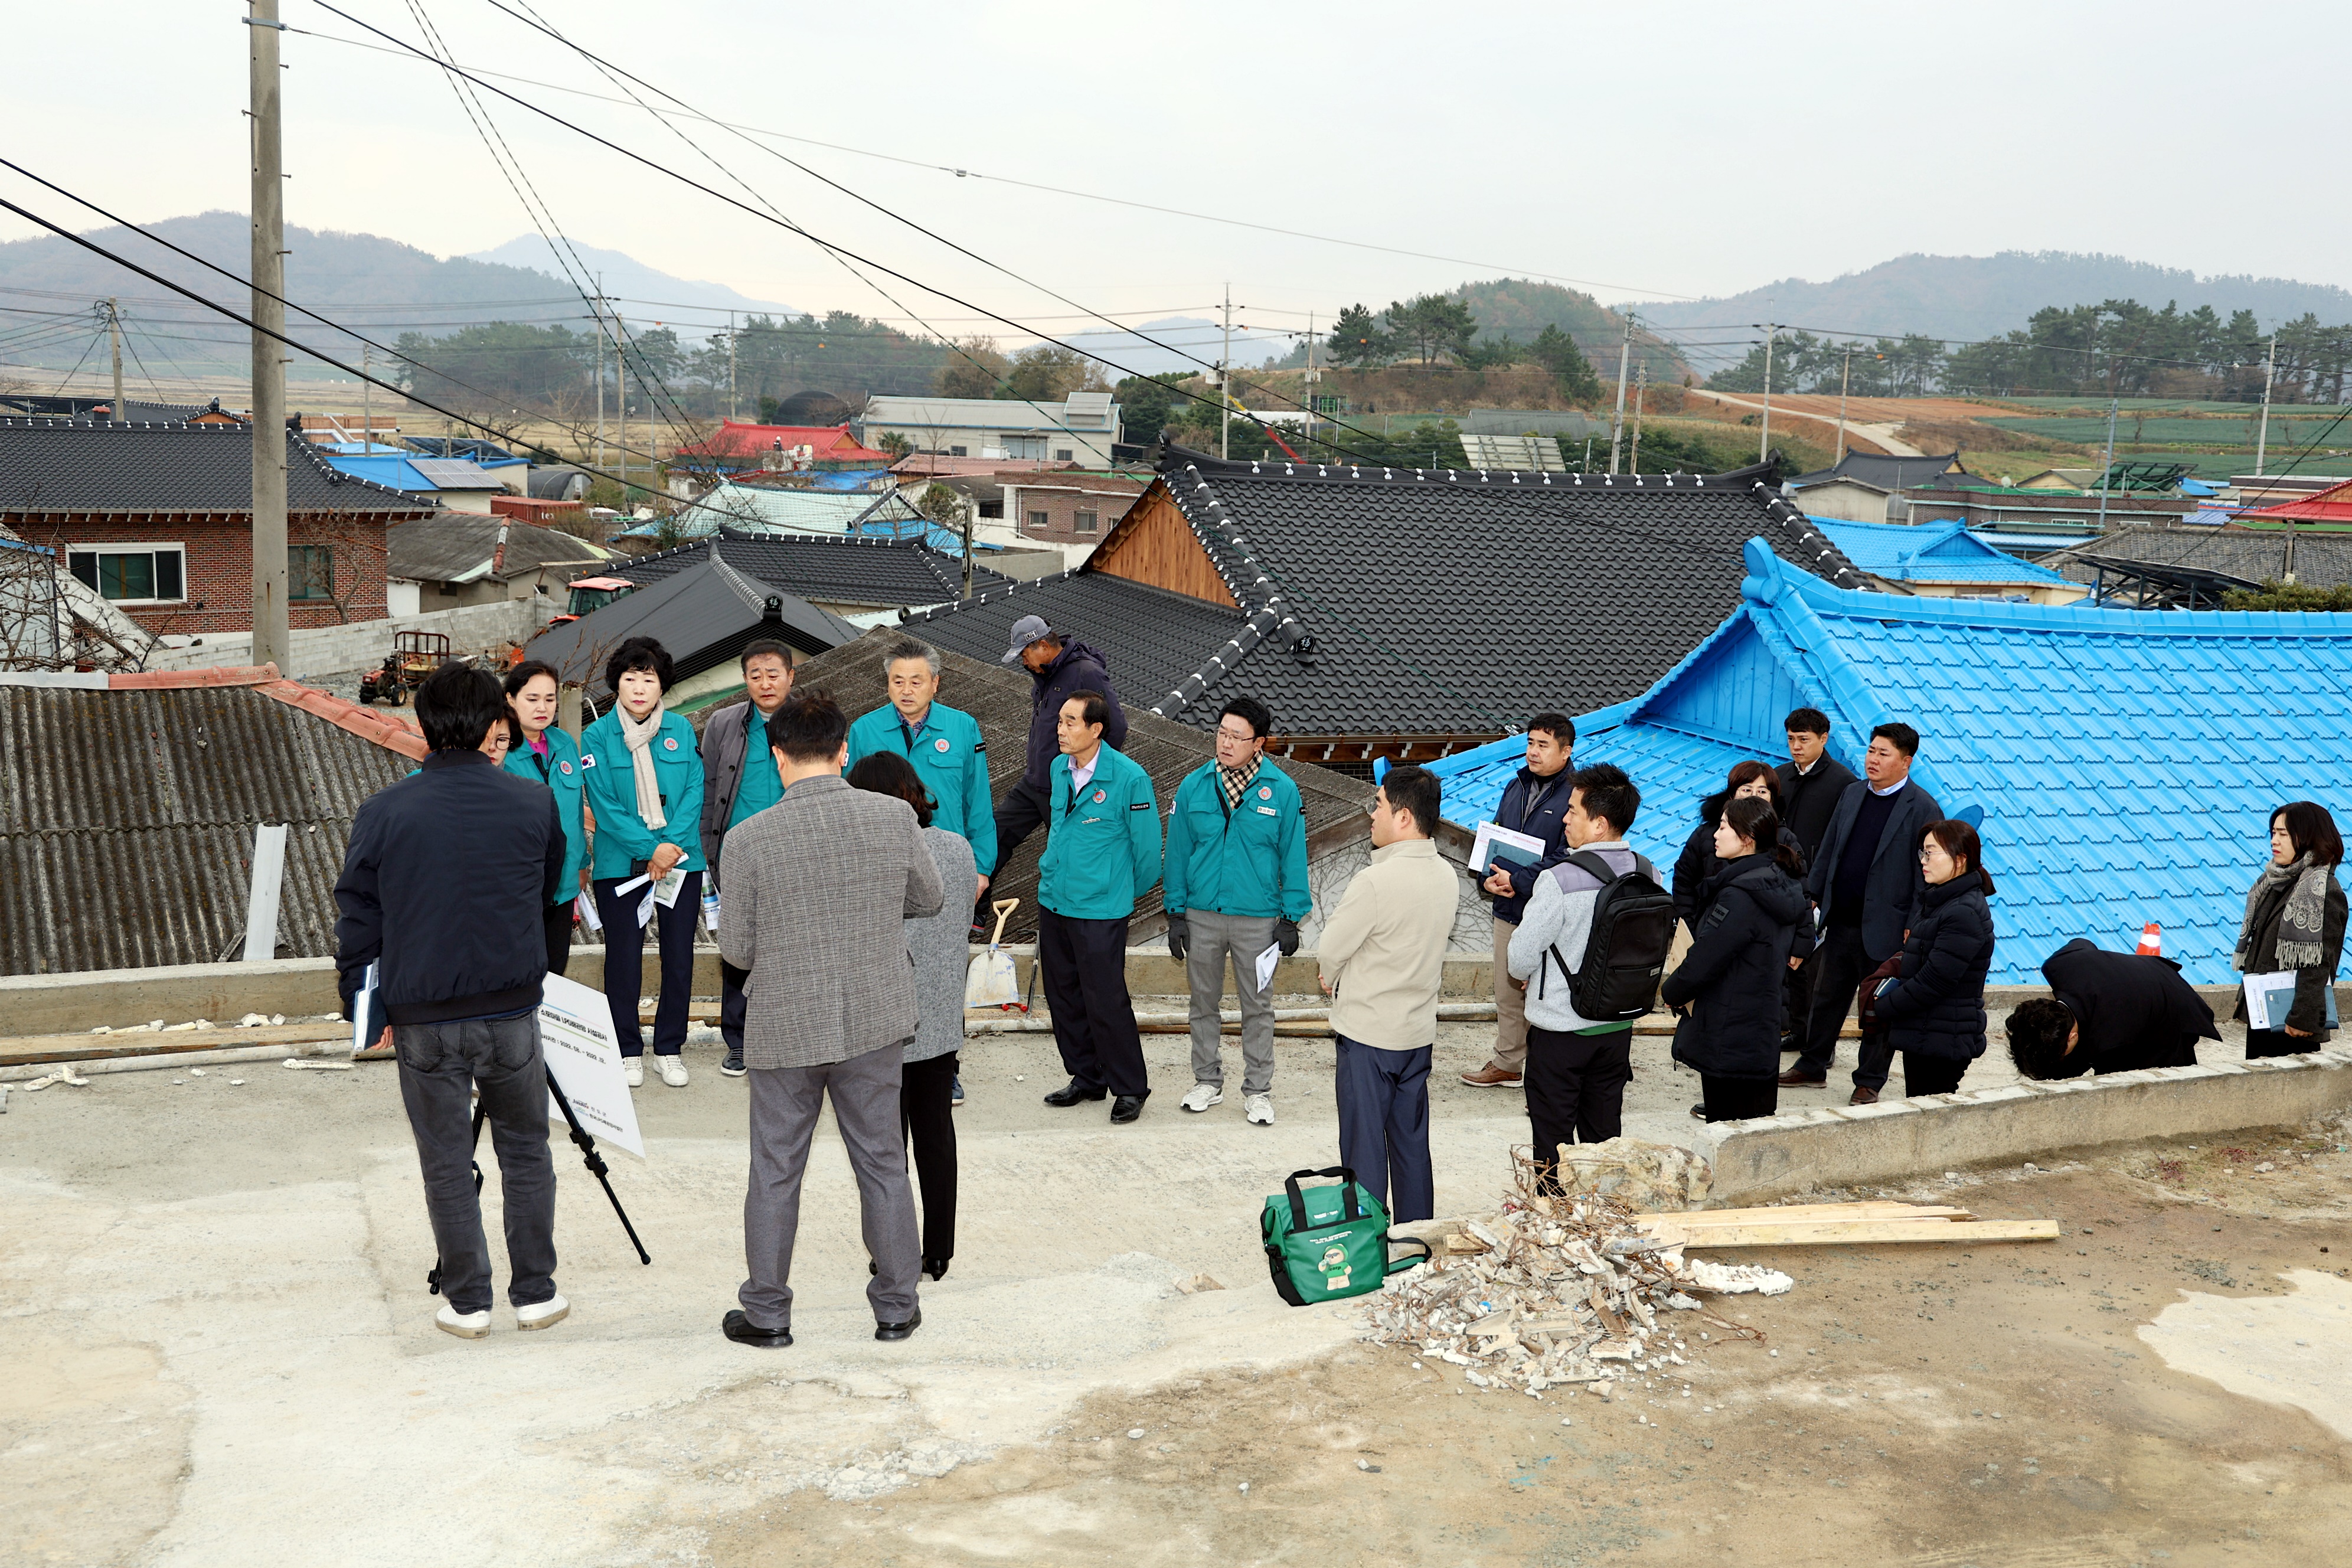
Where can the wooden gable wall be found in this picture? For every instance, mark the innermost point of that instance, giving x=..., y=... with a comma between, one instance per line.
x=1154, y=545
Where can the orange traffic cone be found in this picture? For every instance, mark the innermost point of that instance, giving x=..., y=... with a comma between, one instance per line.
x=2151, y=940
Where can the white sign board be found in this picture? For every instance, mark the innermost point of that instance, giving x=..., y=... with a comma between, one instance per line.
x=575, y=1030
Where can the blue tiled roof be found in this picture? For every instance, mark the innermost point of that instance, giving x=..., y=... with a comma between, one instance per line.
x=2127, y=762
x=1935, y=553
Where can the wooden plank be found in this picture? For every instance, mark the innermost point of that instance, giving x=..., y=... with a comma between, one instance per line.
x=1874, y=1231
x=1804, y=1214
x=27, y=1049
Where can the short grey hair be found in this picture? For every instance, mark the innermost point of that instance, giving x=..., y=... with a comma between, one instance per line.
x=910, y=647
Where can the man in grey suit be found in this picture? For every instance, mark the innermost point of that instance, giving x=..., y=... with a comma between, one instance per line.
x=818, y=887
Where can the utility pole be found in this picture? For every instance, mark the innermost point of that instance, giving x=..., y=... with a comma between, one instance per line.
x=271, y=641
x=367, y=397
x=2107, y=476
x=1764, y=438
x=1311, y=378
x=1617, y=425
x=2261, y=438
x=1845, y=373
x=733, y=410
x=1641, y=385
x=114, y=332
x=1225, y=384
x=621, y=397
x=599, y=307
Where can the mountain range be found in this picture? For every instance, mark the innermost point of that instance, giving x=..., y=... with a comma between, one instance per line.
x=1967, y=298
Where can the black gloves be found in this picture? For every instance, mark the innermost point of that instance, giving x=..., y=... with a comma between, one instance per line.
x=1285, y=936
x=1179, y=935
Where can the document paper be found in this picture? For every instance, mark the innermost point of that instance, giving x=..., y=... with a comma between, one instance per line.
x=1493, y=842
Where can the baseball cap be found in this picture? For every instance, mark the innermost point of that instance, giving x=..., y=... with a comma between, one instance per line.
x=1025, y=630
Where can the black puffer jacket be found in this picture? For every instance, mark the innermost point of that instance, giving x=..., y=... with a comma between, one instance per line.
x=1934, y=1006
x=1698, y=865
x=1730, y=980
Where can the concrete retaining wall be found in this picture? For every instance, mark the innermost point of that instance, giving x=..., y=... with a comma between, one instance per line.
x=330, y=650
x=1897, y=1140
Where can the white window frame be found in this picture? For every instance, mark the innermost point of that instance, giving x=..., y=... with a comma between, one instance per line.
x=136, y=547
x=1040, y=520
x=1087, y=522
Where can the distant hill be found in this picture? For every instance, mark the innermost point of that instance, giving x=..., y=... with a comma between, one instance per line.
x=1974, y=297
x=630, y=281
x=1519, y=309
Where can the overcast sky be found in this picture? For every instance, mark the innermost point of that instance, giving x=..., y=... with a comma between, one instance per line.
x=1638, y=156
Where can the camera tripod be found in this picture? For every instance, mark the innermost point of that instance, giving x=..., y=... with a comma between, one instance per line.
x=589, y=1156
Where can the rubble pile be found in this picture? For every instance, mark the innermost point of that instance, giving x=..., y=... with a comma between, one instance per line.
x=1557, y=1290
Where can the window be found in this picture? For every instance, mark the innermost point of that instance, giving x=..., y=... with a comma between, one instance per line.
x=310, y=572
x=132, y=573
x=959, y=452
x=1086, y=521
x=1061, y=454
x=1040, y=520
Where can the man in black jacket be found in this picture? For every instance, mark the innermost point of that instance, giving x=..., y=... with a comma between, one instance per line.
x=1865, y=883
x=1811, y=783
x=443, y=881
x=1534, y=803
x=2108, y=1012
x=1059, y=667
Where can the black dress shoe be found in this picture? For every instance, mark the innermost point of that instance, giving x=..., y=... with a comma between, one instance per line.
x=937, y=1267
x=1073, y=1094
x=1700, y=1110
x=899, y=1330
x=1126, y=1107
x=739, y=1329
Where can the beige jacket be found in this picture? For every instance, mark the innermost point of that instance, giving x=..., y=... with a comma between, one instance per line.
x=1383, y=948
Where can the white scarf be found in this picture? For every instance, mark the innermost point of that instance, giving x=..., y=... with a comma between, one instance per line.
x=639, y=733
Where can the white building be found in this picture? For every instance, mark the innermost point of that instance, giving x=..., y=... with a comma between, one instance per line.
x=1079, y=429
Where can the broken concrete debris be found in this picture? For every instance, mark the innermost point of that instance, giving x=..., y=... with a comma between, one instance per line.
x=1635, y=1174
x=1554, y=1290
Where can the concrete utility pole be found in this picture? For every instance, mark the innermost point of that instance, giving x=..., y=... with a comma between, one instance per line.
x=272, y=642
x=621, y=397
x=367, y=396
x=733, y=410
x=1640, y=387
x=1845, y=373
x=1764, y=437
x=599, y=307
x=114, y=332
x=1310, y=377
x=1617, y=425
x=2107, y=474
x=2261, y=438
x=1225, y=384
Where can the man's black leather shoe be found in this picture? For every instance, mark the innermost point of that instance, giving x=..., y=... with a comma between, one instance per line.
x=899, y=1330
x=937, y=1267
x=739, y=1329
x=1126, y=1107
x=1071, y=1094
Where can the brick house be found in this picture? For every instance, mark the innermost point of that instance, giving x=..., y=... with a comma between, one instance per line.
x=158, y=519
x=1067, y=506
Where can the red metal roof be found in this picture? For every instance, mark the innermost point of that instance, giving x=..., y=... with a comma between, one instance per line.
x=833, y=443
x=2333, y=504
x=391, y=730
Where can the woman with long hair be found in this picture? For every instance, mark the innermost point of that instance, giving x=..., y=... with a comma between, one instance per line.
x=2295, y=920
x=1933, y=1007
x=547, y=754
x=1753, y=919
x=938, y=946
x=644, y=784
x=1698, y=863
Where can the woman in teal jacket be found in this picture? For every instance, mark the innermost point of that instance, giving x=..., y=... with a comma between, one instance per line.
x=644, y=784
x=551, y=757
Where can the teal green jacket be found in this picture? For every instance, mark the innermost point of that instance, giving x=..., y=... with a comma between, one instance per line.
x=952, y=761
x=1250, y=861
x=621, y=836
x=559, y=771
x=1102, y=849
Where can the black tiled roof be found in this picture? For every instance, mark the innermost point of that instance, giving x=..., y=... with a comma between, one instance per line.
x=841, y=571
x=2253, y=555
x=445, y=546
x=63, y=465
x=703, y=617
x=1883, y=469
x=1433, y=602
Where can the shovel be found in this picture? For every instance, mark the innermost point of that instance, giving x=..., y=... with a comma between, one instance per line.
x=990, y=981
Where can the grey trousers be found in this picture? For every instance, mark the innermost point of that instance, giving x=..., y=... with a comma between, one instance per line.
x=440, y=1067
x=1217, y=938
x=785, y=1103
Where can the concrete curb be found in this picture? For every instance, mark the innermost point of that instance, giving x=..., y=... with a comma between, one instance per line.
x=1896, y=1140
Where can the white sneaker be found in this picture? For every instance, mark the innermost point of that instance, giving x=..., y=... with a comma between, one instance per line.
x=1261, y=1110
x=465, y=1325
x=673, y=1071
x=542, y=1314
x=1201, y=1096
x=633, y=1069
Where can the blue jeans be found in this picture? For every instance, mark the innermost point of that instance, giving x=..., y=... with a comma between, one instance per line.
x=1384, y=1126
x=440, y=1065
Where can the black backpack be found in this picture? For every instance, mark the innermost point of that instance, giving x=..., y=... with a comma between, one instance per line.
x=1625, y=955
